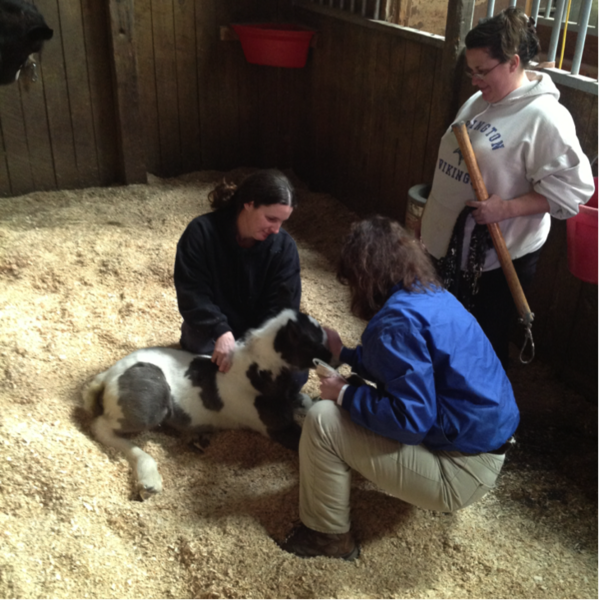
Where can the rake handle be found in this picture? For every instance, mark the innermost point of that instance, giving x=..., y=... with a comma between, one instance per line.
x=461, y=133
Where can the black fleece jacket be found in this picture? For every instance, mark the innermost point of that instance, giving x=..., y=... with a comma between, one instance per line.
x=223, y=287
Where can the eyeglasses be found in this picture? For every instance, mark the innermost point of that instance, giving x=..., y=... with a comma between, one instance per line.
x=482, y=75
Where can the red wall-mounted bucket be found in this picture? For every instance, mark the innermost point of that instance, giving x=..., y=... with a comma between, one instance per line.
x=274, y=44
x=582, y=241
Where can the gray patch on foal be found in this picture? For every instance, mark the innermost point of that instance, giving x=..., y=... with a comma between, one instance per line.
x=144, y=397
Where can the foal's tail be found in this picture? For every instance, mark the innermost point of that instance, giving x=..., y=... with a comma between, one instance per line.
x=91, y=394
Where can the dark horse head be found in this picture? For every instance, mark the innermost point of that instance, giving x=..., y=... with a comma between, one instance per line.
x=23, y=32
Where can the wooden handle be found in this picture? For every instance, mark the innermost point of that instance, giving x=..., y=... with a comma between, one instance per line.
x=461, y=133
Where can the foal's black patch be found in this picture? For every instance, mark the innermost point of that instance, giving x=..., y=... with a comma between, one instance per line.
x=275, y=404
x=299, y=341
x=202, y=373
x=144, y=397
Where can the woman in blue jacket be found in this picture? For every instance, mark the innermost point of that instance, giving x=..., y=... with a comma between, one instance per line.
x=433, y=429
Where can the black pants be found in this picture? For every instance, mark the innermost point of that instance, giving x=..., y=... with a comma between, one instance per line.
x=494, y=307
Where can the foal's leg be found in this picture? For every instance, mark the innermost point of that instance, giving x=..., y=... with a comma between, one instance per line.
x=145, y=469
x=138, y=400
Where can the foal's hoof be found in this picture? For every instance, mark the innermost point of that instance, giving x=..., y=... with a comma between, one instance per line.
x=149, y=481
x=200, y=442
x=147, y=492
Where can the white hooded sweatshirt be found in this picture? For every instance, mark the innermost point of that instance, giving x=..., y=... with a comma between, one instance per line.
x=526, y=141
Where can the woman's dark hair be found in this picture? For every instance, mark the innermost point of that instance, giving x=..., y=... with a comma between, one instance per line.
x=509, y=33
x=378, y=254
x=262, y=188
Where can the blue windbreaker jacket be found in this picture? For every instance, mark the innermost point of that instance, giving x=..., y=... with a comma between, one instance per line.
x=438, y=379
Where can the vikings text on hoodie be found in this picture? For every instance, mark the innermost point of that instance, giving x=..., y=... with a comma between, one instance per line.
x=526, y=141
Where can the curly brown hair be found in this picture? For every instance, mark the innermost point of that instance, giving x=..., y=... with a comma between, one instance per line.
x=378, y=254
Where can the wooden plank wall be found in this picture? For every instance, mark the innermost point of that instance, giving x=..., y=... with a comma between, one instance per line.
x=566, y=315
x=203, y=106
x=372, y=133
x=58, y=132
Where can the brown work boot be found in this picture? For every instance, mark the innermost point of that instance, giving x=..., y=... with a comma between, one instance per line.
x=306, y=542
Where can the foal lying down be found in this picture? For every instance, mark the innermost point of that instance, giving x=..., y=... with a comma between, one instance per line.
x=155, y=386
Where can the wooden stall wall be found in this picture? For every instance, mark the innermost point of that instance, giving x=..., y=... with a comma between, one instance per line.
x=203, y=106
x=149, y=77
x=59, y=131
x=371, y=132
x=566, y=315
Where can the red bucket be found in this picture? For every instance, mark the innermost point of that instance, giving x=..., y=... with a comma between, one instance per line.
x=582, y=241
x=275, y=44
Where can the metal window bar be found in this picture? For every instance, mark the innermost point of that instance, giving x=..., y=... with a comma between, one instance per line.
x=377, y=10
x=557, y=25
x=540, y=11
x=558, y=20
x=359, y=7
x=583, y=25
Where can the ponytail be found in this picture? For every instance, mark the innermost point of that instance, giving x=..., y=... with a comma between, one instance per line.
x=263, y=188
x=222, y=195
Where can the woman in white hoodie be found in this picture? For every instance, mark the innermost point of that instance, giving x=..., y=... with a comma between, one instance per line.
x=531, y=162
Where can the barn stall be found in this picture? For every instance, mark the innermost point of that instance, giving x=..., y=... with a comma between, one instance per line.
x=129, y=89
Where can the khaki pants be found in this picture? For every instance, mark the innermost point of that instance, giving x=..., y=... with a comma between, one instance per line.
x=331, y=445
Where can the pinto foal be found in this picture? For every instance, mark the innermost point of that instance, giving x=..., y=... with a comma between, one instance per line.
x=186, y=391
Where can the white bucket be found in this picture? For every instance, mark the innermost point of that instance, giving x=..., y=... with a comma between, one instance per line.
x=417, y=197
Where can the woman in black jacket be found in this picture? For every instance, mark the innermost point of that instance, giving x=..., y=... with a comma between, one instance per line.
x=232, y=263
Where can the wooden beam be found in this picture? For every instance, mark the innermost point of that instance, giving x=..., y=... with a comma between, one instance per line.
x=124, y=63
x=528, y=7
x=459, y=22
x=404, y=12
